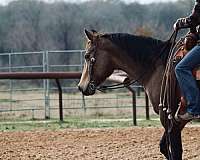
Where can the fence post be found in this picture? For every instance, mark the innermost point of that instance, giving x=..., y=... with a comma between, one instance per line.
x=133, y=105
x=83, y=103
x=134, y=108
x=10, y=81
x=60, y=100
x=81, y=60
x=46, y=85
x=147, y=106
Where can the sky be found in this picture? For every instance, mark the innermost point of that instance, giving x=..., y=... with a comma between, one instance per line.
x=4, y=2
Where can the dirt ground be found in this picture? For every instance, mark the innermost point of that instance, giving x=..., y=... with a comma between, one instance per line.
x=89, y=144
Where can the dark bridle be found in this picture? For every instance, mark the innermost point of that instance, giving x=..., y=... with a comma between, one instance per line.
x=90, y=58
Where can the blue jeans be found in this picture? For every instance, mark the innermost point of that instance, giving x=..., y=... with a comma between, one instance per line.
x=187, y=82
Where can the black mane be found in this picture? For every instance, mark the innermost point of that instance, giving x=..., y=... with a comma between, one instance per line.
x=140, y=48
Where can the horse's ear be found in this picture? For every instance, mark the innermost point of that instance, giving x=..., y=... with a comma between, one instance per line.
x=94, y=31
x=89, y=34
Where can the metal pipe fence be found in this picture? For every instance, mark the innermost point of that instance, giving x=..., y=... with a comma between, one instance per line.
x=38, y=97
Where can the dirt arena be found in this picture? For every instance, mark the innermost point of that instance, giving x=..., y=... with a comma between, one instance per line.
x=88, y=144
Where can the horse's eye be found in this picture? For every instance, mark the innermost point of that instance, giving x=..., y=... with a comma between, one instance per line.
x=87, y=56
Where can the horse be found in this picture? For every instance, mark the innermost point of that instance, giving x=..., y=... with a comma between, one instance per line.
x=144, y=59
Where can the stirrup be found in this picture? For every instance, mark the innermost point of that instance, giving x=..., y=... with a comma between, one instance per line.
x=197, y=116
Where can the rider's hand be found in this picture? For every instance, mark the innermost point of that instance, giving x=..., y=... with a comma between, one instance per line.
x=180, y=23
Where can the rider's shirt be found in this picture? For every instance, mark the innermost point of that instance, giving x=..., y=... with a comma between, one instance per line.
x=193, y=20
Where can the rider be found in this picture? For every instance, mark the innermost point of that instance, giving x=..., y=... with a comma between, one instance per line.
x=183, y=70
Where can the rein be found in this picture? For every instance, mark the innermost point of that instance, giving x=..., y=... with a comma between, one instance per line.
x=166, y=95
x=126, y=84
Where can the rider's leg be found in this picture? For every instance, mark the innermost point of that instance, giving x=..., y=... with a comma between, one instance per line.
x=187, y=82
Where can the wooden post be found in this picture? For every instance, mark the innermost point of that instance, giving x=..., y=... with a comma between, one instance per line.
x=133, y=105
x=60, y=100
x=147, y=106
x=134, y=108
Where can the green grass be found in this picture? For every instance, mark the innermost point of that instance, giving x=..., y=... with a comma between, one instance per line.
x=73, y=123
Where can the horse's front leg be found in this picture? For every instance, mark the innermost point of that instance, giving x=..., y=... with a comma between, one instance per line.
x=175, y=142
x=171, y=144
x=163, y=145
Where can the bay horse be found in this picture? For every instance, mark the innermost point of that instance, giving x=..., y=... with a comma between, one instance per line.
x=134, y=55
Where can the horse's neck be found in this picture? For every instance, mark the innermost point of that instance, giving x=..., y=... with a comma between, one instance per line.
x=153, y=87
x=151, y=78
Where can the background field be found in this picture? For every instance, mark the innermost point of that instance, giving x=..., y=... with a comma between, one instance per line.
x=30, y=105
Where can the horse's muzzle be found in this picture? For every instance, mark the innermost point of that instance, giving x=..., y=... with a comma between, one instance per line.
x=89, y=90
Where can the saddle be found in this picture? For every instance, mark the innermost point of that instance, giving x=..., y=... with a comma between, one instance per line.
x=183, y=48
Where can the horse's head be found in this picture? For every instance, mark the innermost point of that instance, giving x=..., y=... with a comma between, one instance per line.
x=98, y=62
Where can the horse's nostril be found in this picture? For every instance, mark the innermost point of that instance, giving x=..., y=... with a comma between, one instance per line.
x=92, y=86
